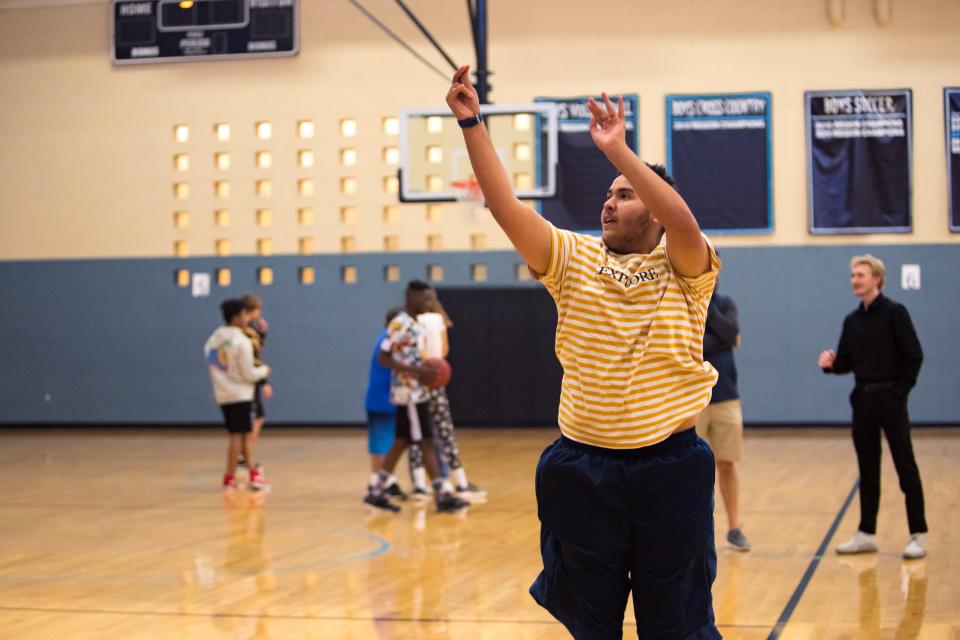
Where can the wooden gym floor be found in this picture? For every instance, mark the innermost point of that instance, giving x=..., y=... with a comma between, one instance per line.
x=125, y=534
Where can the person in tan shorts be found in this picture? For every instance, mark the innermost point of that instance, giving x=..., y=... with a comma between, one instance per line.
x=721, y=422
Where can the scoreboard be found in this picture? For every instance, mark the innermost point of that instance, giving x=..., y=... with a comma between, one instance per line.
x=147, y=31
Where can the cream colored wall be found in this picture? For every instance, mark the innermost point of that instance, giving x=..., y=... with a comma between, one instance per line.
x=86, y=148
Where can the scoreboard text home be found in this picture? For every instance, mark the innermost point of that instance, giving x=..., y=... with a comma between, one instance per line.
x=176, y=30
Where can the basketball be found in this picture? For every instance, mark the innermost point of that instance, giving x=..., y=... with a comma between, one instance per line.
x=443, y=372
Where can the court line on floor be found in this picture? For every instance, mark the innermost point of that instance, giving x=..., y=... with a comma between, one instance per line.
x=271, y=616
x=274, y=616
x=276, y=506
x=380, y=546
x=812, y=567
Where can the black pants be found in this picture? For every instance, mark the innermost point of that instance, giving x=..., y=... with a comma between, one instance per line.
x=871, y=413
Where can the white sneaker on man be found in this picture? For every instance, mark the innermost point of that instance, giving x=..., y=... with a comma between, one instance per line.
x=917, y=547
x=860, y=543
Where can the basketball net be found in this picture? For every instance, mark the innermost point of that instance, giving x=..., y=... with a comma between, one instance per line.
x=468, y=192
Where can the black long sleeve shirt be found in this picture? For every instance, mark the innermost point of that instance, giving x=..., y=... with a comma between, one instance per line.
x=880, y=345
x=719, y=339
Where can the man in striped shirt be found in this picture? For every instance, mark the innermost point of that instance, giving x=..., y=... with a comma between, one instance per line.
x=625, y=496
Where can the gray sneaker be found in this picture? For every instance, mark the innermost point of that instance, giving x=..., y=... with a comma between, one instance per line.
x=737, y=540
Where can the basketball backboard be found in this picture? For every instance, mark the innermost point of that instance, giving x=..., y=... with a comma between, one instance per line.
x=434, y=160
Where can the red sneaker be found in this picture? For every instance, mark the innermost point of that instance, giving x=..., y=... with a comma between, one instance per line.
x=258, y=481
x=229, y=482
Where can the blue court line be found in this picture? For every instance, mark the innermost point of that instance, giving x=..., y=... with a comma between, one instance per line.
x=812, y=567
x=381, y=547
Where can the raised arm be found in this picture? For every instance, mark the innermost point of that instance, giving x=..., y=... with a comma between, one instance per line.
x=686, y=247
x=527, y=230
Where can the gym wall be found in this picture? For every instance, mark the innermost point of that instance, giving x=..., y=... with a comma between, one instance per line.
x=95, y=226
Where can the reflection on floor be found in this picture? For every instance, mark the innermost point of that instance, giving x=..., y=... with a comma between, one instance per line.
x=125, y=534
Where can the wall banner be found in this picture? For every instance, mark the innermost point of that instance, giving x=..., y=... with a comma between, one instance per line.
x=859, y=146
x=951, y=106
x=718, y=151
x=583, y=173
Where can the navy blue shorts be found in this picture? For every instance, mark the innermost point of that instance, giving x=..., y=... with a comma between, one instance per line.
x=616, y=521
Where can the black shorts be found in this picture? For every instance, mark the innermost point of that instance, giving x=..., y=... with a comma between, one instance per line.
x=413, y=422
x=237, y=417
x=258, y=400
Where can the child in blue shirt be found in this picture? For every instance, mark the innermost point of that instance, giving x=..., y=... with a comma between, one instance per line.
x=381, y=414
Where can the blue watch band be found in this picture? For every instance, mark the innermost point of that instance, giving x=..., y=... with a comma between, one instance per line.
x=472, y=121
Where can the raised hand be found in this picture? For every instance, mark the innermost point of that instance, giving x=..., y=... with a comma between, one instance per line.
x=608, y=126
x=462, y=97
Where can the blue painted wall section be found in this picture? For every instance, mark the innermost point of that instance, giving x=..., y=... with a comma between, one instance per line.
x=115, y=341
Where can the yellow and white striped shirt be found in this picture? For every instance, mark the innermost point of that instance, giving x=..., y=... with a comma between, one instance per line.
x=630, y=340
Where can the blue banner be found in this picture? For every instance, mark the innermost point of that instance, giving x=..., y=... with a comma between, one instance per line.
x=951, y=106
x=718, y=151
x=859, y=146
x=583, y=173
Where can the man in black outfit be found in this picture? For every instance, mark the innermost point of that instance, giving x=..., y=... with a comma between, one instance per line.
x=880, y=346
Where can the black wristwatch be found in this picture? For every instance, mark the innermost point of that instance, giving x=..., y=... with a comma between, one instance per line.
x=472, y=121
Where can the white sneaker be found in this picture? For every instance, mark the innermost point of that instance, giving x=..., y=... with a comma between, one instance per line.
x=860, y=543
x=917, y=547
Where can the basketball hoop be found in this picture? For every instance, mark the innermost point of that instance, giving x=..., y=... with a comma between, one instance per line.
x=468, y=191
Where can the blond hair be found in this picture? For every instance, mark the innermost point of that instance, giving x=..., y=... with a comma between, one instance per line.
x=252, y=302
x=875, y=264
